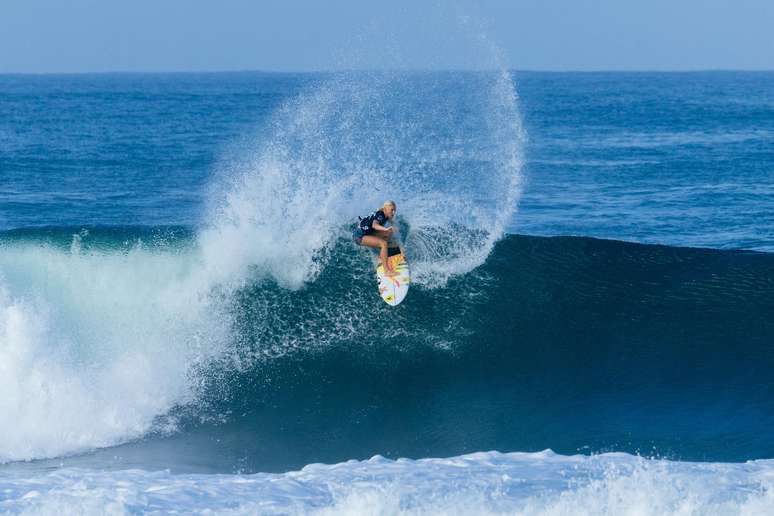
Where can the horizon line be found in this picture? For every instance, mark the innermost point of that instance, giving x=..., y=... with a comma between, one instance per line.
x=388, y=70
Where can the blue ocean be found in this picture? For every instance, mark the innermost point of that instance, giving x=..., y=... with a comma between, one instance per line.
x=187, y=327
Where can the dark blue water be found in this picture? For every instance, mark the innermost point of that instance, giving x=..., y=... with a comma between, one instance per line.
x=174, y=262
x=122, y=149
x=675, y=158
x=679, y=159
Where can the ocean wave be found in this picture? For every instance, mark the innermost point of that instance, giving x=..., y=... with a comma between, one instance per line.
x=570, y=343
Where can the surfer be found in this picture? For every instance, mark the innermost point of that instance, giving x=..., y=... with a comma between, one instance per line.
x=371, y=232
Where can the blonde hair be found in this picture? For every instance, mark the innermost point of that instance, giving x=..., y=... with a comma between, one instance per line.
x=388, y=203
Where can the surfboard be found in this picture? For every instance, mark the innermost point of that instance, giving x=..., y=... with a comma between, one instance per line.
x=394, y=288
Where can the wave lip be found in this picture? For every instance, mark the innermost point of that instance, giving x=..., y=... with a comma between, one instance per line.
x=478, y=483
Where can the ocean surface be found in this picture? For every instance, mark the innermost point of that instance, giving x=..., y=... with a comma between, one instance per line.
x=186, y=325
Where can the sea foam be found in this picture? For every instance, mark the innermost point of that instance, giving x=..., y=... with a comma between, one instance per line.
x=479, y=483
x=94, y=346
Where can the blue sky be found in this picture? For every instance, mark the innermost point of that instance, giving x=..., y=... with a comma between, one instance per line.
x=177, y=35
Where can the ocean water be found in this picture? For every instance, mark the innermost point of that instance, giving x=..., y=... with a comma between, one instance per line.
x=185, y=324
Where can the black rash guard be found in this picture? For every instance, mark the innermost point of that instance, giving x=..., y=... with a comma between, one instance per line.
x=366, y=224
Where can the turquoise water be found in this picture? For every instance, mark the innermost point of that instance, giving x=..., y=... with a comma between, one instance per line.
x=591, y=256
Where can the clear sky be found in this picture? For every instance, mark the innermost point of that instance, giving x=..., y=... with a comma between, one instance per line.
x=181, y=35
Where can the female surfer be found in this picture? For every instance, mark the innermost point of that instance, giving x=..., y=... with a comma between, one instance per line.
x=371, y=232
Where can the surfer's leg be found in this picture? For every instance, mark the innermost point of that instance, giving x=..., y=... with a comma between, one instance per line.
x=386, y=235
x=357, y=236
x=378, y=243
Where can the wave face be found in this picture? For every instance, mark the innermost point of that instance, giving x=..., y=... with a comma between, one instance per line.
x=581, y=344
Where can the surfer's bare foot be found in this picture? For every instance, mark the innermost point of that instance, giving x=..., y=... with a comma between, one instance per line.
x=388, y=269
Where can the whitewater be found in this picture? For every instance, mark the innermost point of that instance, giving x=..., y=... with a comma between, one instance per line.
x=481, y=483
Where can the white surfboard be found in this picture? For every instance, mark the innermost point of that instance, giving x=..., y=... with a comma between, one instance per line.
x=393, y=288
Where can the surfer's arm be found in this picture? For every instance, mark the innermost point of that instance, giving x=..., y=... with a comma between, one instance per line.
x=378, y=226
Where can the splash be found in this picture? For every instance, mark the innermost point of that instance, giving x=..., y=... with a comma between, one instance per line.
x=447, y=146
